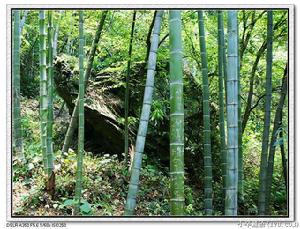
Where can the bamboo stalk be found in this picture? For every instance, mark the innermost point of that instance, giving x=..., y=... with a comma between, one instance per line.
x=78, y=186
x=208, y=192
x=267, y=119
x=43, y=88
x=56, y=33
x=176, y=115
x=224, y=65
x=221, y=96
x=17, y=126
x=144, y=119
x=283, y=157
x=232, y=116
x=240, y=136
x=50, y=165
x=127, y=88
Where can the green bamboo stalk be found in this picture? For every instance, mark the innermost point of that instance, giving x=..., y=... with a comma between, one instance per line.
x=78, y=186
x=267, y=119
x=283, y=157
x=43, y=87
x=50, y=166
x=221, y=96
x=276, y=126
x=69, y=41
x=74, y=119
x=222, y=42
x=127, y=88
x=206, y=121
x=176, y=115
x=232, y=116
x=17, y=126
x=240, y=137
x=144, y=119
x=56, y=32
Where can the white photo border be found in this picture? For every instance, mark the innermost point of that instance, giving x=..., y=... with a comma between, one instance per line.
x=291, y=116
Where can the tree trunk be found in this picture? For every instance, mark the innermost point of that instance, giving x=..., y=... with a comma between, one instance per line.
x=127, y=89
x=50, y=166
x=69, y=41
x=283, y=158
x=144, y=119
x=232, y=116
x=43, y=89
x=224, y=62
x=78, y=186
x=240, y=138
x=206, y=121
x=176, y=116
x=17, y=125
x=148, y=40
x=267, y=120
x=56, y=32
x=221, y=96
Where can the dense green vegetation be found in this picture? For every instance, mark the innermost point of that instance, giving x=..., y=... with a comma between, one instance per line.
x=143, y=112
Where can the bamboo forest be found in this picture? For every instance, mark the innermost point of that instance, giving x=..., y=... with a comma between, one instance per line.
x=149, y=112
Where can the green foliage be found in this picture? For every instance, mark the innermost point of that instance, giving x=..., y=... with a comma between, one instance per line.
x=85, y=208
x=30, y=56
x=30, y=88
x=106, y=173
x=158, y=112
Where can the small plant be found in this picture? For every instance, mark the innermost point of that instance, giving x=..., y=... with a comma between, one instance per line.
x=85, y=207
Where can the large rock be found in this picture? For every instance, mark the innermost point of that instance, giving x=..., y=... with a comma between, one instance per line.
x=102, y=108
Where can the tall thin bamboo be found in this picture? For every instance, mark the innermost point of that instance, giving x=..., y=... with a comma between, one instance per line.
x=69, y=38
x=221, y=95
x=283, y=157
x=144, y=119
x=240, y=137
x=127, y=87
x=56, y=33
x=267, y=119
x=232, y=116
x=17, y=127
x=43, y=87
x=78, y=186
x=223, y=53
x=176, y=115
x=50, y=166
x=208, y=193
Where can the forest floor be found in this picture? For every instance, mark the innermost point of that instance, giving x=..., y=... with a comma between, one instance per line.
x=105, y=178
